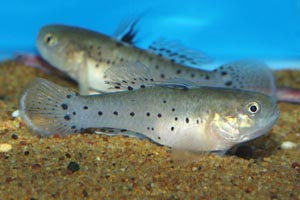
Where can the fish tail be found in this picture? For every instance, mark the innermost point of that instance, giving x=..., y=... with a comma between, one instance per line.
x=44, y=106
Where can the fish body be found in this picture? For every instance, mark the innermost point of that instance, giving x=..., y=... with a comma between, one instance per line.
x=199, y=119
x=86, y=56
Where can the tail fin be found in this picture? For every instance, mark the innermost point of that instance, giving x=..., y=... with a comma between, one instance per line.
x=45, y=107
x=248, y=75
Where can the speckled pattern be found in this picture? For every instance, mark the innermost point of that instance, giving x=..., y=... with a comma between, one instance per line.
x=128, y=168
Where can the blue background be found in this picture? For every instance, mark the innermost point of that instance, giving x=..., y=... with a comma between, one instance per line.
x=225, y=30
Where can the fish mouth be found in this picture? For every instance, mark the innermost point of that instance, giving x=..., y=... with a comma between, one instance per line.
x=233, y=133
x=262, y=129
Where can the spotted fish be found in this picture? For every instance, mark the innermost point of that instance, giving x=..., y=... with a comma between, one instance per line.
x=197, y=119
x=85, y=56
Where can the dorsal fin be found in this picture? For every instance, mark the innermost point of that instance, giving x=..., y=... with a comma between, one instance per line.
x=178, y=53
x=126, y=31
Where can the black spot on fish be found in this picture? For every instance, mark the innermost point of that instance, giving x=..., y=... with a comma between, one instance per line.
x=119, y=44
x=108, y=62
x=162, y=76
x=187, y=120
x=159, y=115
x=178, y=71
x=228, y=83
x=117, y=87
x=152, y=129
x=165, y=101
x=116, y=113
x=158, y=138
x=68, y=96
x=207, y=77
x=67, y=117
x=156, y=66
x=100, y=113
x=172, y=128
x=223, y=73
x=64, y=106
x=74, y=113
x=121, y=59
x=97, y=65
x=143, y=86
x=130, y=88
x=192, y=75
x=173, y=109
x=176, y=118
x=85, y=107
x=148, y=114
x=73, y=127
x=132, y=114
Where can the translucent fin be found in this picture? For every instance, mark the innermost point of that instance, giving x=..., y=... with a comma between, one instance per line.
x=126, y=31
x=135, y=75
x=123, y=132
x=248, y=75
x=291, y=95
x=129, y=76
x=178, y=53
x=44, y=108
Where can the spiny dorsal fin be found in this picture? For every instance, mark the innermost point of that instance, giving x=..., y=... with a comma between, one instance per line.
x=178, y=53
x=126, y=31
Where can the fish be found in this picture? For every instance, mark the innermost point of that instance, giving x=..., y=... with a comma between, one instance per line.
x=85, y=55
x=202, y=119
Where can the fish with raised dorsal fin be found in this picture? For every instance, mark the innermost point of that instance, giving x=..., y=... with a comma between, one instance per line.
x=74, y=53
x=196, y=119
x=85, y=55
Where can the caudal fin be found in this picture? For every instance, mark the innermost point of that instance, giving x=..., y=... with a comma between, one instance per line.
x=45, y=107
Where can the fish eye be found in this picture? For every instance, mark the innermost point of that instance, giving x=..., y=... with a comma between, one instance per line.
x=253, y=107
x=50, y=39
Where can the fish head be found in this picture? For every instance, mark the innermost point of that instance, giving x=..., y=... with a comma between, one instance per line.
x=243, y=118
x=58, y=45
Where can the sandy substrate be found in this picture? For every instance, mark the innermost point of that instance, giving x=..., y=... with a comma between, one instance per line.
x=128, y=168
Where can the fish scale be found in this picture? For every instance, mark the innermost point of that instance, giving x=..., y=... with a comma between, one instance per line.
x=198, y=119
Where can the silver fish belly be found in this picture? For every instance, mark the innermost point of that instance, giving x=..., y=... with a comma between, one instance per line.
x=200, y=119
